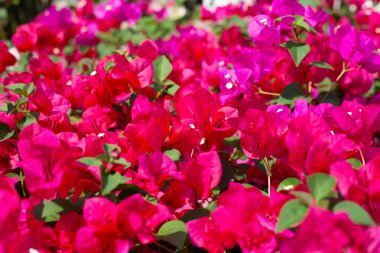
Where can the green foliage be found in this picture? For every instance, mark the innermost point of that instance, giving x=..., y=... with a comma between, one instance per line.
x=5, y=132
x=111, y=181
x=90, y=161
x=174, y=154
x=297, y=50
x=288, y=184
x=290, y=94
x=356, y=164
x=322, y=65
x=162, y=69
x=320, y=185
x=173, y=232
x=357, y=213
x=291, y=214
x=51, y=210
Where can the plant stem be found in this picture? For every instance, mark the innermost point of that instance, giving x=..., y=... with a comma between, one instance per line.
x=268, y=93
x=361, y=155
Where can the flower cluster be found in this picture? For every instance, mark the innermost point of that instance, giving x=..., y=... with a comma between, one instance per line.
x=138, y=126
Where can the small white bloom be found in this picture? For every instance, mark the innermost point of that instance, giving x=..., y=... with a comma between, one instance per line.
x=264, y=21
x=229, y=85
x=56, y=50
x=108, y=7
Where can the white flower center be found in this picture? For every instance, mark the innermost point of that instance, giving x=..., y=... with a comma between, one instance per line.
x=264, y=21
x=229, y=85
x=108, y=7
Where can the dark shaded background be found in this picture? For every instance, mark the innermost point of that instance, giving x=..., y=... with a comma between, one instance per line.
x=16, y=12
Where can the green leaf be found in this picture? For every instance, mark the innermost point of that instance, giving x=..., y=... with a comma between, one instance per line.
x=288, y=184
x=111, y=181
x=297, y=50
x=162, y=69
x=110, y=64
x=173, y=232
x=321, y=64
x=356, y=164
x=304, y=197
x=312, y=3
x=104, y=49
x=90, y=161
x=172, y=89
x=26, y=121
x=21, y=88
x=357, y=213
x=174, y=154
x=16, y=88
x=299, y=21
x=291, y=93
x=320, y=185
x=109, y=148
x=5, y=132
x=195, y=214
x=122, y=161
x=50, y=210
x=211, y=207
x=22, y=63
x=107, y=37
x=291, y=214
x=329, y=97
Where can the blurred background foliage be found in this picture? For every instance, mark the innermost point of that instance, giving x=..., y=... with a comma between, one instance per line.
x=13, y=13
x=16, y=12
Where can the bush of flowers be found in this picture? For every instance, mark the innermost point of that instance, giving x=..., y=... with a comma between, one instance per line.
x=140, y=127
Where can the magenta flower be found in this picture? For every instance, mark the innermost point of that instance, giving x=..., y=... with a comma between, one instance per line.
x=287, y=7
x=154, y=170
x=263, y=31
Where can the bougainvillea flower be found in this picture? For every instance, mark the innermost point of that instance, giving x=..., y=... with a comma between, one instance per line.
x=311, y=238
x=263, y=133
x=235, y=220
x=154, y=170
x=126, y=129
x=287, y=7
x=203, y=174
x=7, y=59
x=262, y=30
